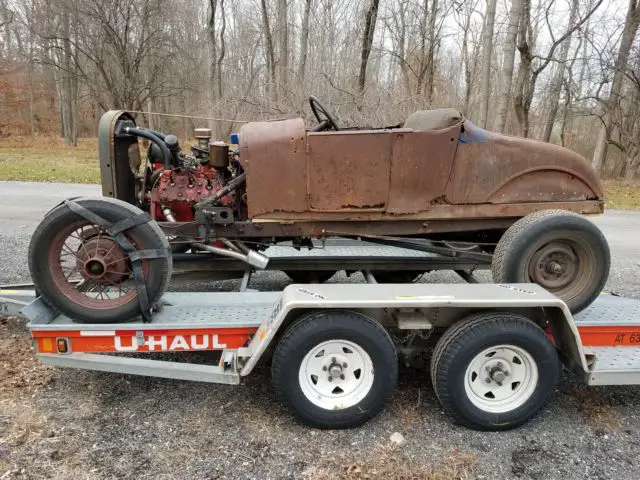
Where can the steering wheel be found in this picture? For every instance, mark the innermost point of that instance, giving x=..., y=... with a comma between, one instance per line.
x=320, y=111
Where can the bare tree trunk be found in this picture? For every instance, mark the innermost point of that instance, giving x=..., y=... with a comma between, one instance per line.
x=628, y=35
x=631, y=169
x=271, y=60
x=487, y=54
x=506, y=74
x=67, y=83
x=466, y=65
x=220, y=58
x=213, y=64
x=431, y=52
x=422, y=53
x=401, y=60
x=304, y=43
x=283, y=47
x=523, y=69
x=367, y=42
x=32, y=122
x=565, y=113
x=75, y=89
x=583, y=67
x=556, y=82
x=567, y=84
x=151, y=121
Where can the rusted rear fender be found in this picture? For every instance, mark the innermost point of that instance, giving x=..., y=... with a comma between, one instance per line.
x=495, y=168
x=543, y=184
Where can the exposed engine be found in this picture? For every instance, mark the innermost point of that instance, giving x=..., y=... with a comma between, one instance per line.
x=201, y=178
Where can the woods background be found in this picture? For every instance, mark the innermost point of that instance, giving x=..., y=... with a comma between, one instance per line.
x=566, y=71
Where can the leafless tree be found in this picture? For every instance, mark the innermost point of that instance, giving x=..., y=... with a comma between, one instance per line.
x=367, y=42
x=487, y=53
x=535, y=67
x=630, y=30
x=506, y=73
x=304, y=41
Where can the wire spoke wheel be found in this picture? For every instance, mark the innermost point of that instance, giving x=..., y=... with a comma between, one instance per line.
x=82, y=271
x=89, y=267
x=336, y=374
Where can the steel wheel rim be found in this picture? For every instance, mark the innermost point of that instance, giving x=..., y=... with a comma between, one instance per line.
x=501, y=378
x=347, y=364
x=89, y=268
x=576, y=275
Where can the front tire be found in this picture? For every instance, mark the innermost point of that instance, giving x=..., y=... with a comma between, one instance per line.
x=335, y=369
x=81, y=271
x=494, y=371
x=561, y=251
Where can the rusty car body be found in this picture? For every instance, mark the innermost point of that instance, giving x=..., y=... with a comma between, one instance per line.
x=456, y=172
x=436, y=176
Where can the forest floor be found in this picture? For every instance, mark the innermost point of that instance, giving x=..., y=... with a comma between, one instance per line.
x=47, y=159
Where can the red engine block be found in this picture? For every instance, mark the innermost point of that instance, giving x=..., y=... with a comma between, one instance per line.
x=180, y=190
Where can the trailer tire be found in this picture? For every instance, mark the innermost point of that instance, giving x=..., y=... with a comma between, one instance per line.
x=561, y=251
x=494, y=371
x=355, y=349
x=45, y=264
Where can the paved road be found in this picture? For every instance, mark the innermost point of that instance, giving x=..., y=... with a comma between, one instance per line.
x=23, y=204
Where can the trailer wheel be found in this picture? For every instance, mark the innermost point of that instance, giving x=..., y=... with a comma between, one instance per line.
x=82, y=272
x=335, y=369
x=494, y=371
x=561, y=251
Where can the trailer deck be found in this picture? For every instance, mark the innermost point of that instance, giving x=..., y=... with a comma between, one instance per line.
x=609, y=330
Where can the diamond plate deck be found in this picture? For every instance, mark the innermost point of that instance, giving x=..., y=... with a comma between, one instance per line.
x=610, y=310
x=188, y=310
x=346, y=251
x=614, y=365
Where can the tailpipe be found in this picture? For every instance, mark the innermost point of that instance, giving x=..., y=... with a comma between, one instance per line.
x=253, y=258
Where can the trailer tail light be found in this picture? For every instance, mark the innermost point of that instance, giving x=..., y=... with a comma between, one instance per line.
x=63, y=346
x=46, y=345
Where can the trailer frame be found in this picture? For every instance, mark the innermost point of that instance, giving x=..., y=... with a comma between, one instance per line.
x=601, y=344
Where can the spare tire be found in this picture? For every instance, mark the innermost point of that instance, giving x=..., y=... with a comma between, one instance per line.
x=561, y=251
x=81, y=271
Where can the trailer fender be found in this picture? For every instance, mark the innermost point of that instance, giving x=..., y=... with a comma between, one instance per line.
x=451, y=302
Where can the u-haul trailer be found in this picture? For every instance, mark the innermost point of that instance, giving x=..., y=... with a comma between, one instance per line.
x=335, y=346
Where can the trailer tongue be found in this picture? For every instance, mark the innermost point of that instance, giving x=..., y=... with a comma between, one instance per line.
x=335, y=347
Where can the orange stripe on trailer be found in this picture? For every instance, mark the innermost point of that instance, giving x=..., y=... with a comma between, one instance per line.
x=608, y=336
x=154, y=340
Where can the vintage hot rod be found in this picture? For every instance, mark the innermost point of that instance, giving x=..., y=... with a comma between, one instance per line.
x=436, y=176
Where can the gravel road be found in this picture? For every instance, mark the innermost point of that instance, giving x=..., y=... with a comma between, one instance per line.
x=81, y=424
